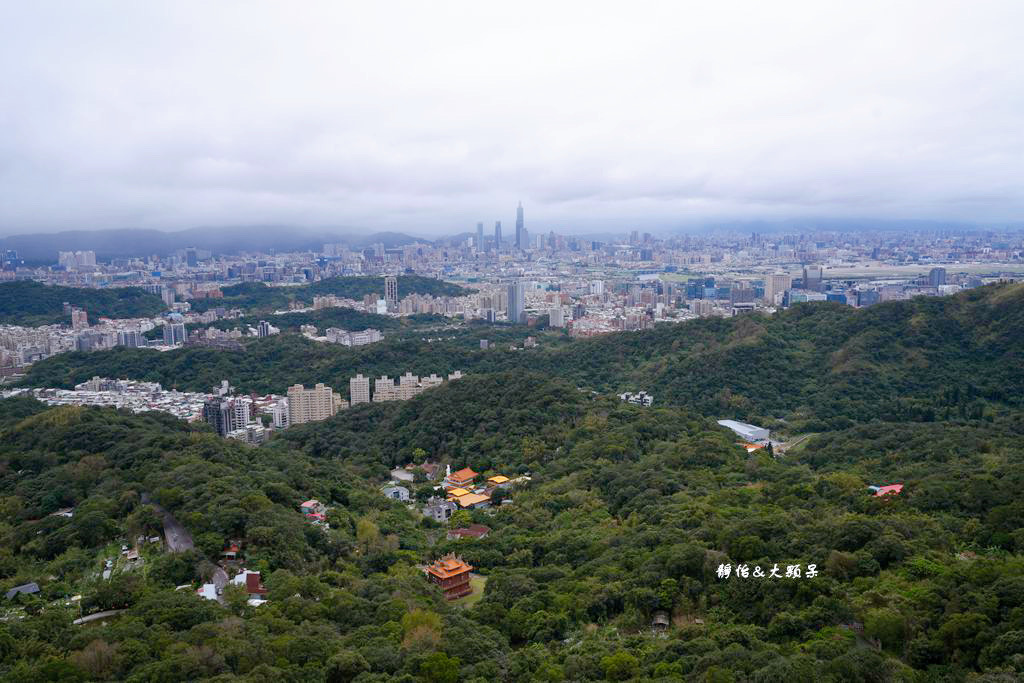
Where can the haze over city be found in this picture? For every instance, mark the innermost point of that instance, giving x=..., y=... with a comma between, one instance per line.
x=429, y=117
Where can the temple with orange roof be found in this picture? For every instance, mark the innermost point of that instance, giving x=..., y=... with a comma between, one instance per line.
x=461, y=479
x=451, y=573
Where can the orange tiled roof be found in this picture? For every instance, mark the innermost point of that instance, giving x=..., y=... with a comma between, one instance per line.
x=448, y=566
x=472, y=499
x=463, y=475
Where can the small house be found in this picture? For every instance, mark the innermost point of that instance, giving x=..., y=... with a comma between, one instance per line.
x=497, y=481
x=254, y=587
x=208, y=591
x=439, y=510
x=890, y=490
x=252, y=583
x=430, y=469
x=312, y=507
x=396, y=493
x=232, y=551
x=24, y=589
x=660, y=621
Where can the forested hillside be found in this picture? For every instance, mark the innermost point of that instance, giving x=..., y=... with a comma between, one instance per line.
x=256, y=297
x=628, y=514
x=820, y=366
x=605, y=564
x=25, y=302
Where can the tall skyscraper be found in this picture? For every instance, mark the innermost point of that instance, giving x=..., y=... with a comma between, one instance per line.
x=516, y=302
x=480, y=236
x=79, y=319
x=280, y=413
x=174, y=333
x=812, y=278
x=133, y=339
x=520, y=237
x=310, y=405
x=936, y=277
x=226, y=414
x=776, y=284
x=359, y=389
x=497, y=236
x=240, y=414
x=391, y=292
x=218, y=414
x=263, y=329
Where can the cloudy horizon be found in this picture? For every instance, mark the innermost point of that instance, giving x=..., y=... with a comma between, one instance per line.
x=428, y=117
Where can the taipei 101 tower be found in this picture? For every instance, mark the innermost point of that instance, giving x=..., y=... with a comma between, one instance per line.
x=520, y=229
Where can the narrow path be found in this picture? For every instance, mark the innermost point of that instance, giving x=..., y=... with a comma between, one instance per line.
x=98, y=615
x=783, y=447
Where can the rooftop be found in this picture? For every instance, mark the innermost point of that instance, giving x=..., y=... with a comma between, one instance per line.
x=448, y=566
x=464, y=474
x=472, y=499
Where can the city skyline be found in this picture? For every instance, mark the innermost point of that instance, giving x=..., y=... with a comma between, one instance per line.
x=655, y=117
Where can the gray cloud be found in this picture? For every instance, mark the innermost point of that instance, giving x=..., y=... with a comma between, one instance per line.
x=428, y=117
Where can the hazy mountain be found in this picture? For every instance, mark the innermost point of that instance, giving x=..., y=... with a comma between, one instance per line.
x=43, y=247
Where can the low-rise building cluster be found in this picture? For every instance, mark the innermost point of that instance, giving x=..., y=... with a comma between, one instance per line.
x=336, y=335
x=137, y=397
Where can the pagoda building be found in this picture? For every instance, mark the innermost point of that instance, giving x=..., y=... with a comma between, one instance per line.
x=451, y=573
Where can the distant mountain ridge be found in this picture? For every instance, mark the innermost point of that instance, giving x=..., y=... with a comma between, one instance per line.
x=127, y=242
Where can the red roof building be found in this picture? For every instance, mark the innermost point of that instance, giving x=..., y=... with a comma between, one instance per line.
x=892, y=489
x=452, y=575
x=253, y=585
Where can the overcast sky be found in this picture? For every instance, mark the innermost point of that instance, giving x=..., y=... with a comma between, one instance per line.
x=429, y=116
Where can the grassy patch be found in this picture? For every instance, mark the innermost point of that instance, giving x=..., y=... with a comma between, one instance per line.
x=478, y=583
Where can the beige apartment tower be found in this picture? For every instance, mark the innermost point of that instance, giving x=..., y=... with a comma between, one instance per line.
x=359, y=389
x=310, y=405
x=408, y=386
x=384, y=389
x=776, y=284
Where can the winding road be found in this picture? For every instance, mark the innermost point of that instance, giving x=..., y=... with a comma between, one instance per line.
x=178, y=538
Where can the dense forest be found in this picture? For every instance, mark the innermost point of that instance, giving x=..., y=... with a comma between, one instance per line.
x=607, y=560
x=257, y=297
x=30, y=303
